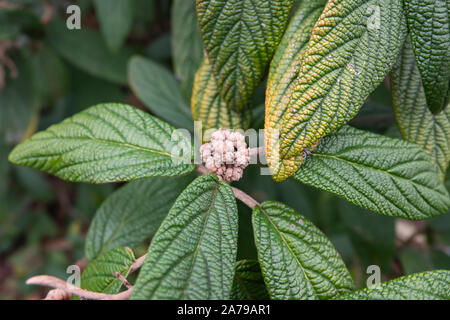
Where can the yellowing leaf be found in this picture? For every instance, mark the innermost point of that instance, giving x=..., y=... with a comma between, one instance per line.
x=209, y=107
x=283, y=72
x=352, y=47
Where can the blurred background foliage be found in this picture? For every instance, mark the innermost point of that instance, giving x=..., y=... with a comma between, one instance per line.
x=48, y=73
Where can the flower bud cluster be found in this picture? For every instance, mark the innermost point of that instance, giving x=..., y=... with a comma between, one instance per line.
x=226, y=155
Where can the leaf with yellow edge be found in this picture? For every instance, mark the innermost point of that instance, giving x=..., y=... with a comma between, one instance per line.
x=353, y=45
x=208, y=106
x=283, y=71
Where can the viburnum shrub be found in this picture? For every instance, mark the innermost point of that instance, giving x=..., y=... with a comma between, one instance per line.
x=322, y=61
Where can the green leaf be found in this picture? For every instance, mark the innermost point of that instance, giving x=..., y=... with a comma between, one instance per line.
x=297, y=260
x=99, y=274
x=85, y=6
x=187, y=45
x=18, y=101
x=87, y=50
x=34, y=183
x=8, y=29
x=429, y=26
x=352, y=47
x=240, y=37
x=258, y=116
x=416, y=122
x=209, y=108
x=49, y=75
x=287, y=59
x=160, y=48
x=440, y=259
x=16, y=22
x=193, y=254
x=132, y=214
x=387, y=176
x=430, y=285
x=159, y=91
x=116, y=19
x=144, y=12
x=414, y=261
x=248, y=282
x=86, y=91
x=106, y=143
x=283, y=71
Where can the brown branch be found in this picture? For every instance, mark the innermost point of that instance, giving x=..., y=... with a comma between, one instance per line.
x=201, y=169
x=245, y=198
x=137, y=263
x=123, y=279
x=58, y=294
x=49, y=281
x=239, y=194
x=82, y=263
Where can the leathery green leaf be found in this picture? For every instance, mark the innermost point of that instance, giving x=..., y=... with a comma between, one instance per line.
x=133, y=213
x=116, y=19
x=193, y=254
x=248, y=282
x=187, y=47
x=297, y=260
x=416, y=122
x=208, y=106
x=240, y=37
x=18, y=101
x=99, y=275
x=284, y=69
x=158, y=89
x=429, y=285
x=429, y=26
x=387, y=176
x=87, y=50
x=107, y=143
x=353, y=45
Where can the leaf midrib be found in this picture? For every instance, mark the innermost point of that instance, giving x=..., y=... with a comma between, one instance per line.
x=104, y=141
x=289, y=248
x=393, y=176
x=197, y=249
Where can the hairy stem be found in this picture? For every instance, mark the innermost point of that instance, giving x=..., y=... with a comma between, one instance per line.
x=245, y=198
x=137, y=263
x=238, y=193
x=49, y=281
